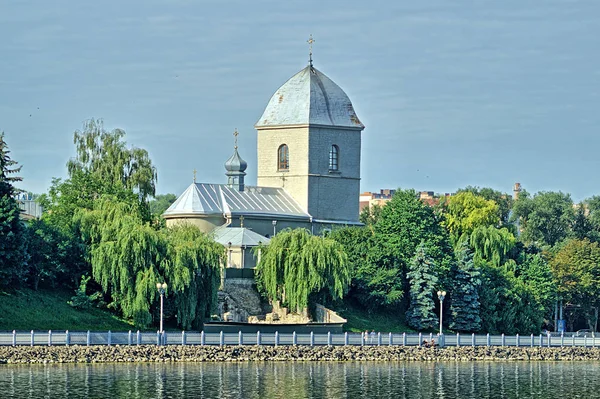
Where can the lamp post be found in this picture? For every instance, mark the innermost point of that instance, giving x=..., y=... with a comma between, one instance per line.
x=274, y=222
x=162, y=288
x=441, y=295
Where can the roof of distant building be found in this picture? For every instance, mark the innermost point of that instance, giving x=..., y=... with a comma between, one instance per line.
x=310, y=98
x=219, y=199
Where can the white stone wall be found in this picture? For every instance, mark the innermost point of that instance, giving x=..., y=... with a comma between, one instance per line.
x=295, y=180
x=321, y=193
x=206, y=224
x=334, y=195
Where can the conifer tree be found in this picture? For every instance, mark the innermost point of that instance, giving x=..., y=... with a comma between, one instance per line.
x=11, y=229
x=422, y=279
x=465, y=307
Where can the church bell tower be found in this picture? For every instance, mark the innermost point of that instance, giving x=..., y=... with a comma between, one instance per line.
x=309, y=142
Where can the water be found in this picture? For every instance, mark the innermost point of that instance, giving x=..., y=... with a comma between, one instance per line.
x=304, y=380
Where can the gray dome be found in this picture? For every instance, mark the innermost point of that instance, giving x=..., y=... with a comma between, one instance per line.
x=235, y=163
x=309, y=98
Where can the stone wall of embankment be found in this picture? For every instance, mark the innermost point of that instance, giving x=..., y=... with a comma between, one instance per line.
x=174, y=353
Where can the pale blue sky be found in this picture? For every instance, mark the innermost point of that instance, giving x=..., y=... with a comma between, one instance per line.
x=452, y=93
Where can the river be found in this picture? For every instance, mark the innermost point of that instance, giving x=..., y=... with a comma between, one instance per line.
x=304, y=380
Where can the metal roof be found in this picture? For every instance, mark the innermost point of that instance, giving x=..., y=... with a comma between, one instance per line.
x=309, y=97
x=220, y=199
x=238, y=237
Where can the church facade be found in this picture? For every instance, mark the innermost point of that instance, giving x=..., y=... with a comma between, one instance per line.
x=308, y=172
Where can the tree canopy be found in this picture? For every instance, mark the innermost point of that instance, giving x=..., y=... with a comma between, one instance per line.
x=491, y=244
x=161, y=203
x=11, y=230
x=465, y=211
x=465, y=308
x=105, y=156
x=406, y=222
x=503, y=201
x=422, y=277
x=297, y=266
x=129, y=257
x=545, y=218
x=576, y=269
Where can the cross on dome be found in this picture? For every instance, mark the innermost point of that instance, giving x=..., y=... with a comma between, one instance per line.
x=310, y=42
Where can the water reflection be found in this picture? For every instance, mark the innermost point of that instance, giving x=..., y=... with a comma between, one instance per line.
x=304, y=380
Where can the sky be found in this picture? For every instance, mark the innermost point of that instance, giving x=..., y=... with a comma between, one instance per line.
x=452, y=93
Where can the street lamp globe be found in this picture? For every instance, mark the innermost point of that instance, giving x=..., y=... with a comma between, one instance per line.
x=441, y=295
x=162, y=288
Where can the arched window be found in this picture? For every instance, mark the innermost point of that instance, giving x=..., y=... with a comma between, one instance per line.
x=283, y=157
x=334, y=158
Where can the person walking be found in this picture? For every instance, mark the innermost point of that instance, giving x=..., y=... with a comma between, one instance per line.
x=366, y=336
x=372, y=336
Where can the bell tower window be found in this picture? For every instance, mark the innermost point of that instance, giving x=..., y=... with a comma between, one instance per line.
x=334, y=160
x=283, y=158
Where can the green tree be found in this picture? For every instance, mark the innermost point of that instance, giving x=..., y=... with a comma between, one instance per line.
x=404, y=223
x=103, y=166
x=161, y=203
x=11, y=228
x=104, y=155
x=465, y=296
x=535, y=272
x=582, y=226
x=591, y=209
x=507, y=304
x=128, y=257
x=491, y=244
x=370, y=215
x=192, y=266
x=503, y=200
x=422, y=279
x=47, y=253
x=465, y=211
x=576, y=269
x=297, y=266
x=545, y=218
x=372, y=286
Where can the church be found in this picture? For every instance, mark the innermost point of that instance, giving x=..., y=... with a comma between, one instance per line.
x=308, y=172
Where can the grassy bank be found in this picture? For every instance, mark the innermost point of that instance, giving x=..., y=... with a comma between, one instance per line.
x=360, y=320
x=49, y=310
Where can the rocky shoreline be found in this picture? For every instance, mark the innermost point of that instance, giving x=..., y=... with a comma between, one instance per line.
x=177, y=353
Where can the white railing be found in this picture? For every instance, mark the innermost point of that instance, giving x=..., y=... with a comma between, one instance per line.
x=49, y=338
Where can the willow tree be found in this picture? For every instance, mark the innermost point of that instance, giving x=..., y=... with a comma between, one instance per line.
x=104, y=155
x=297, y=266
x=128, y=257
x=465, y=211
x=491, y=244
x=192, y=268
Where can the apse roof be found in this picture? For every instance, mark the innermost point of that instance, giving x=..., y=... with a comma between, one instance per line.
x=220, y=199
